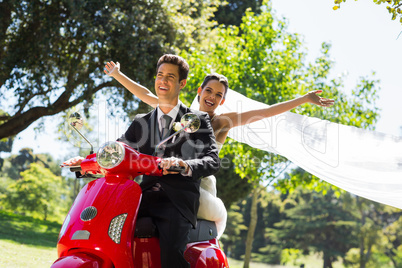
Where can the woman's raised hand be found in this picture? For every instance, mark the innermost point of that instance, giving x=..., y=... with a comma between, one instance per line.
x=112, y=68
x=315, y=99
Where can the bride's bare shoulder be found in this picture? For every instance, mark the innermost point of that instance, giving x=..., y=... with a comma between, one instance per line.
x=224, y=120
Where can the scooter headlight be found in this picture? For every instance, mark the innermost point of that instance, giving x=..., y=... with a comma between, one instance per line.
x=110, y=154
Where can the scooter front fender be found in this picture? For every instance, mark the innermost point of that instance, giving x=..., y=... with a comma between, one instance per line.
x=81, y=260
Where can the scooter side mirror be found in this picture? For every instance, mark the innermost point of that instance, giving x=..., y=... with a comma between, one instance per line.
x=190, y=122
x=76, y=121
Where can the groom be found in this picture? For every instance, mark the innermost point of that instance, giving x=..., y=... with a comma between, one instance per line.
x=173, y=199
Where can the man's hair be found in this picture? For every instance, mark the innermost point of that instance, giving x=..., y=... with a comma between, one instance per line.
x=175, y=60
x=220, y=78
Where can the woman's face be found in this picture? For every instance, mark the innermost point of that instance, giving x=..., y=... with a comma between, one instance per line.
x=211, y=96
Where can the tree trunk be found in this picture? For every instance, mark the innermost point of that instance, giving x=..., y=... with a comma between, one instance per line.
x=45, y=216
x=362, y=255
x=20, y=121
x=362, y=245
x=327, y=261
x=251, y=228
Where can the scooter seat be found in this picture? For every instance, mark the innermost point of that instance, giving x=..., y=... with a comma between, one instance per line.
x=205, y=230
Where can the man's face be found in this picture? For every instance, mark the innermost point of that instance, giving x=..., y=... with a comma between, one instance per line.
x=167, y=84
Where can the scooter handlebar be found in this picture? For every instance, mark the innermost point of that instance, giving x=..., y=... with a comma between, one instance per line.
x=176, y=168
x=75, y=169
x=72, y=168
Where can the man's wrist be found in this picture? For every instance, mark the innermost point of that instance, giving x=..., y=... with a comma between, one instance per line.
x=187, y=168
x=187, y=171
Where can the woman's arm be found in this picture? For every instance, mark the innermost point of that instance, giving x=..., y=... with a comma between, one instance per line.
x=238, y=119
x=113, y=69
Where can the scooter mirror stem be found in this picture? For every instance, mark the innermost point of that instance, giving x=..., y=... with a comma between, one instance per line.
x=76, y=122
x=168, y=138
x=90, y=144
x=190, y=123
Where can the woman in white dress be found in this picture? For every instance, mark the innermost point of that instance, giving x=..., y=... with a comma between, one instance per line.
x=211, y=94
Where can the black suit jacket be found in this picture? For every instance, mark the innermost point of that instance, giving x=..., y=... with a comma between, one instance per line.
x=198, y=149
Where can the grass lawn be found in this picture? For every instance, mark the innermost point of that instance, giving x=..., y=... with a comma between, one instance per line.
x=239, y=264
x=29, y=242
x=311, y=261
x=16, y=255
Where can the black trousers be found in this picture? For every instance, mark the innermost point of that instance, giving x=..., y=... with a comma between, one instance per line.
x=172, y=226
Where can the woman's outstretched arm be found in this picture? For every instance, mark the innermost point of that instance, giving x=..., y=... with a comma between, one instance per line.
x=113, y=69
x=238, y=119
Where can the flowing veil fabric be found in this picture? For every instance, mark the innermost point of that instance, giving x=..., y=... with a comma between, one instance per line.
x=363, y=162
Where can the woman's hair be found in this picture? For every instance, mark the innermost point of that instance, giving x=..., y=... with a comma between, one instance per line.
x=175, y=60
x=218, y=77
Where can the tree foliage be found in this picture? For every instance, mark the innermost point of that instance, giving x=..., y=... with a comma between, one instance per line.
x=53, y=52
x=377, y=234
x=291, y=225
x=318, y=222
x=230, y=186
x=393, y=7
x=232, y=12
x=15, y=164
x=38, y=192
x=265, y=62
x=235, y=226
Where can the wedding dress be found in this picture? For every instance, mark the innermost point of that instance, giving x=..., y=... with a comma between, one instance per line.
x=211, y=207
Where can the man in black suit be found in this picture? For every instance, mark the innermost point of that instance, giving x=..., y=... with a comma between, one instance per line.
x=173, y=199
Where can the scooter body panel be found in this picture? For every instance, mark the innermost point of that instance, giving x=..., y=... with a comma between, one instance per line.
x=111, y=196
x=147, y=252
x=106, y=208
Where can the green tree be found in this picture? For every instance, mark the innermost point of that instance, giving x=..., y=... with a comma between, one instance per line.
x=235, y=226
x=234, y=189
x=378, y=234
x=4, y=183
x=320, y=223
x=265, y=62
x=256, y=167
x=266, y=249
x=53, y=52
x=232, y=12
x=393, y=7
x=393, y=236
x=38, y=192
x=6, y=143
x=16, y=164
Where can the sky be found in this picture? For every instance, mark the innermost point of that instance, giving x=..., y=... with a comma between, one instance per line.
x=363, y=37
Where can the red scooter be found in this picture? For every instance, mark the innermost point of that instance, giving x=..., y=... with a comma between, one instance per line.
x=102, y=228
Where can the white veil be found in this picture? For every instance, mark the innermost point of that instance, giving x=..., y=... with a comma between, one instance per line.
x=363, y=162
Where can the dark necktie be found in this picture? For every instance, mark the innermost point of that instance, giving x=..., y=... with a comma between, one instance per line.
x=165, y=120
